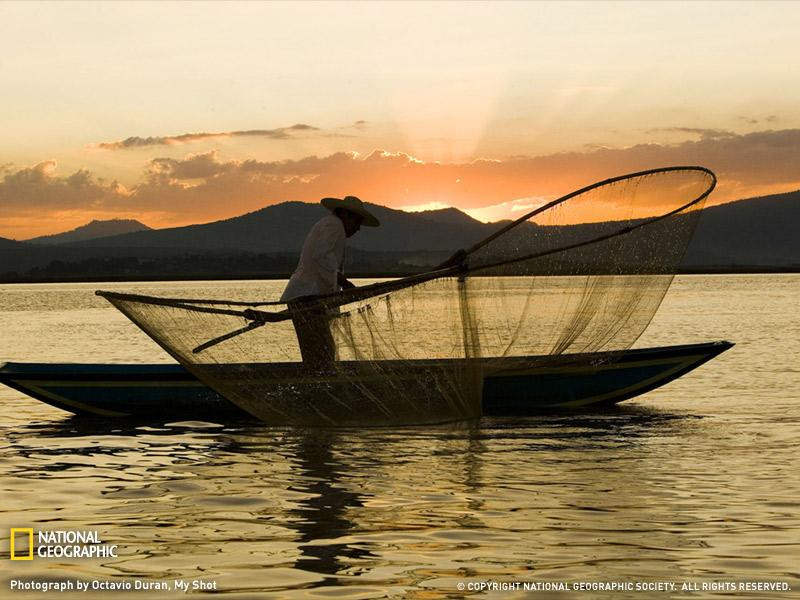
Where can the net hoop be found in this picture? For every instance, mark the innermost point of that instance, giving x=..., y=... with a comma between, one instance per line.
x=335, y=299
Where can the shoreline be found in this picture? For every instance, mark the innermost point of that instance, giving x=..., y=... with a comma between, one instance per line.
x=754, y=270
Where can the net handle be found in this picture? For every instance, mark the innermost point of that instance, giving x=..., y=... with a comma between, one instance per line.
x=218, y=340
x=331, y=300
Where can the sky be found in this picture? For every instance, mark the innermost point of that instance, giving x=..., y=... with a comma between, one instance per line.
x=178, y=113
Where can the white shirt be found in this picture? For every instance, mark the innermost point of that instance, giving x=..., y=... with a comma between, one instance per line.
x=321, y=260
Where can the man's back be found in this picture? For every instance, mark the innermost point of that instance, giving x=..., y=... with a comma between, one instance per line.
x=320, y=261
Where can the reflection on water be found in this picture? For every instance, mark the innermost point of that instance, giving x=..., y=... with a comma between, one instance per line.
x=559, y=497
x=697, y=481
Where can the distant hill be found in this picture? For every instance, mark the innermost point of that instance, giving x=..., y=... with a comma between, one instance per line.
x=754, y=234
x=759, y=232
x=450, y=216
x=5, y=243
x=93, y=230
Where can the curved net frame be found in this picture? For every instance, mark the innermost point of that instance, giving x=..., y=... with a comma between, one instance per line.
x=582, y=274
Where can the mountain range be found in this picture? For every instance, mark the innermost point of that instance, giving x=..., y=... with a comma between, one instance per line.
x=92, y=230
x=753, y=234
x=282, y=228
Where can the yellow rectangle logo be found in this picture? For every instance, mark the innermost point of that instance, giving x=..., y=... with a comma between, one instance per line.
x=29, y=554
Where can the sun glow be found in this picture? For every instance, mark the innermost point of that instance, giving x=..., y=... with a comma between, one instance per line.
x=435, y=205
x=506, y=210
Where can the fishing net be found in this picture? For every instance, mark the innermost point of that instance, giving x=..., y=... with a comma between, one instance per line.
x=582, y=274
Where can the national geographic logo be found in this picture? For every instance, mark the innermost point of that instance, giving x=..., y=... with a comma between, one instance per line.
x=66, y=543
x=19, y=536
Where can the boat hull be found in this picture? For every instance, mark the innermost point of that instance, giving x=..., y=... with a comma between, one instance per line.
x=517, y=386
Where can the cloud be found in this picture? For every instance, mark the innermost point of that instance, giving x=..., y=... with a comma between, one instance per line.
x=204, y=187
x=742, y=162
x=35, y=200
x=705, y=134
x=755, y=121
x=38, y=188
x=282, y=133
x=194, y=166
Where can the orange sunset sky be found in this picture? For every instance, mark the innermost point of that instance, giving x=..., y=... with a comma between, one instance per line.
x=179, y=113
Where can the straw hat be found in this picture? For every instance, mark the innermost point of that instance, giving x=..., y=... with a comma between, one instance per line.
x=354, y=205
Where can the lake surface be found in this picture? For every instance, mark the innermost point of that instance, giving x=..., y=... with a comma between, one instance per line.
x=697, y=482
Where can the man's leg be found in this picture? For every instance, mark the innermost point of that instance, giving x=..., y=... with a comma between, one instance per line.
x=317, y=348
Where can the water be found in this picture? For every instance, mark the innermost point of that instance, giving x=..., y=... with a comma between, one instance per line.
x=696, y=482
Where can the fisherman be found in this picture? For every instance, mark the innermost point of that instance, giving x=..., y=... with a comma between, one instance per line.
x=319, y=272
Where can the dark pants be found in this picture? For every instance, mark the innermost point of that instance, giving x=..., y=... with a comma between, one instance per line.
x=313, y=335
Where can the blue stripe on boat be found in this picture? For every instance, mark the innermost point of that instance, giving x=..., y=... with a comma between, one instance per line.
x=517, y=386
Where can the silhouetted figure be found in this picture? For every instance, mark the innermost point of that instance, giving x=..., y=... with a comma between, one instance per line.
x=319, y=272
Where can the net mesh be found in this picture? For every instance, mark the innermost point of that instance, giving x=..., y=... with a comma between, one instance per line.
x=582, y=274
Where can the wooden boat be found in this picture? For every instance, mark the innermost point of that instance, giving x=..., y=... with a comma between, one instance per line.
x=159, y=392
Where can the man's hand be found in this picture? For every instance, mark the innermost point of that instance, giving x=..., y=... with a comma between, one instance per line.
x=344, y=283
x=456, y=259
